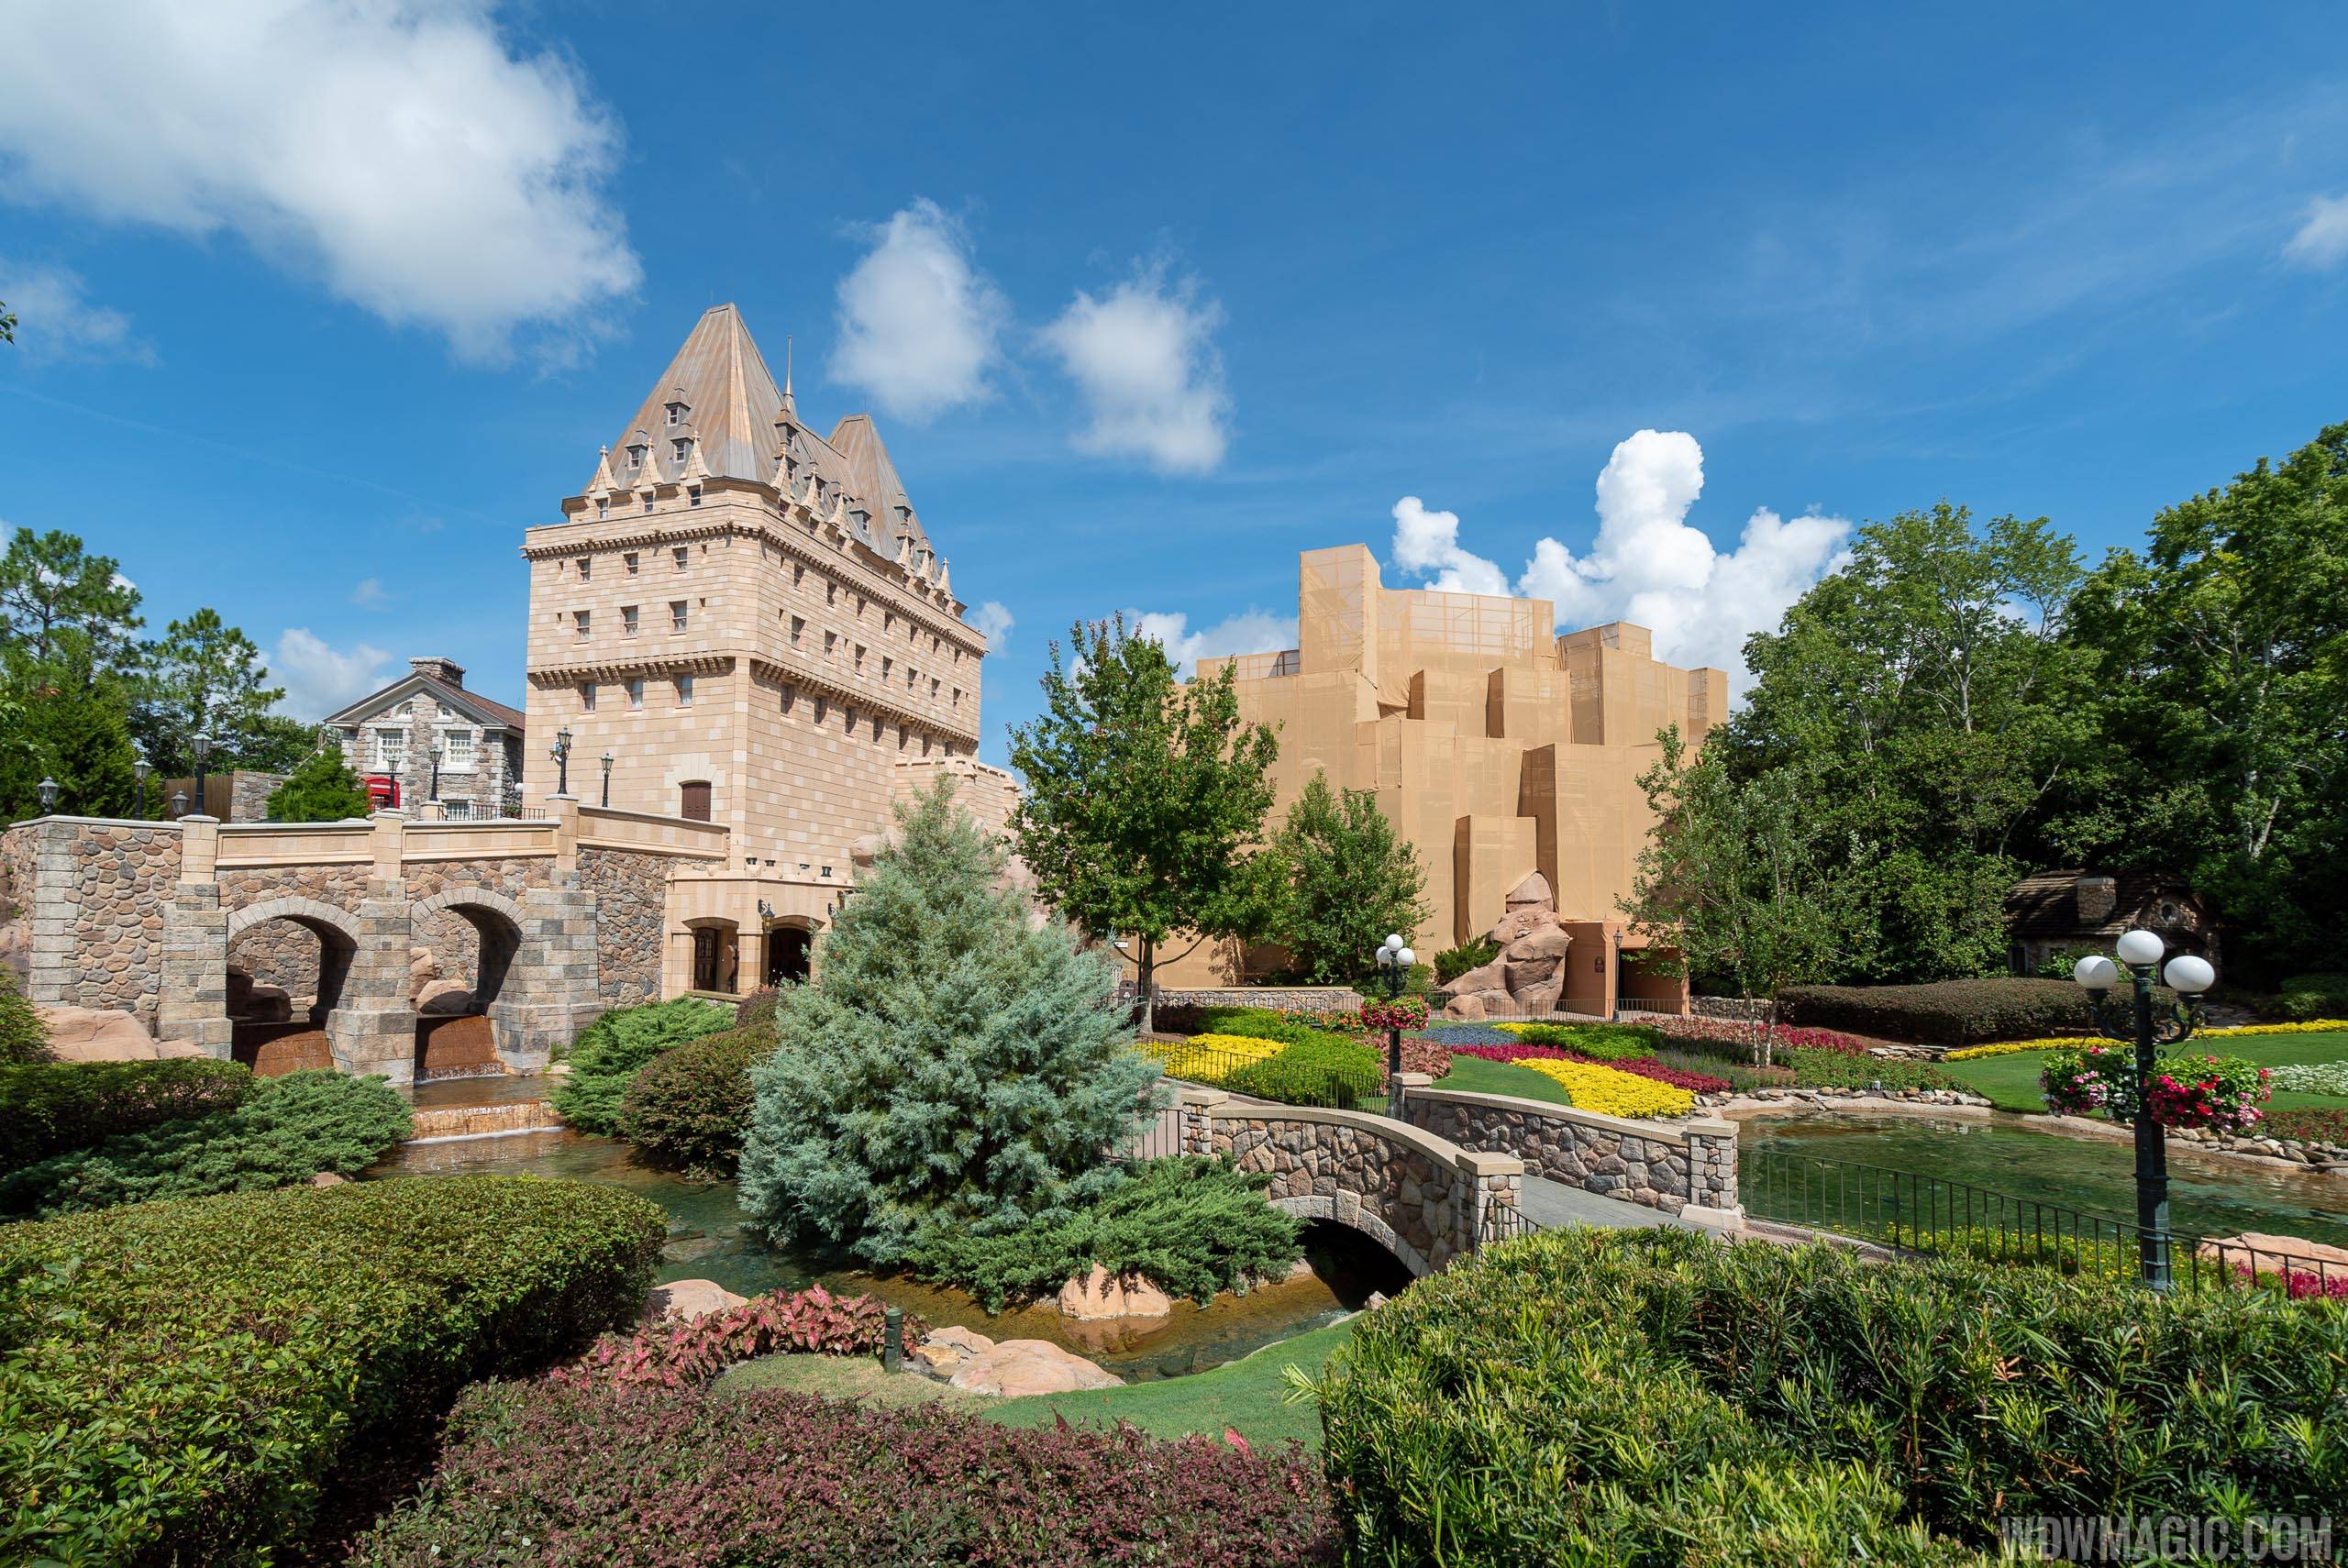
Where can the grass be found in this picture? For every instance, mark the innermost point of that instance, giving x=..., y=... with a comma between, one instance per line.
x=2011, y=1083
x=1249, y=1395
x=1474, y=1075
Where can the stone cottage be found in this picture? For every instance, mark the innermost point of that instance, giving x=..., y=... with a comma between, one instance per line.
x=440, y=741
x=2065, y=913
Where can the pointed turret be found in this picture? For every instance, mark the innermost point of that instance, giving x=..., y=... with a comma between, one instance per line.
x=731, y=402
x=601, y=484
x=695, y=469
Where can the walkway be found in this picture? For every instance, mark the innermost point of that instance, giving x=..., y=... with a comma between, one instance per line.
x=1551, y=1204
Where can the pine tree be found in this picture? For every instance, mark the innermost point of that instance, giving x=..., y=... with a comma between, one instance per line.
x=84, y=742
x=322, y=790
x=957, y=1066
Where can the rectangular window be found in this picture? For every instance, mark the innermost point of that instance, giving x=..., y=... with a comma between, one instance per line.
x=798, y=574
x=390, y=750
x=457, y=751
x=628, y=561
x=628, y=619
x=908, y=677
x=790, y=695
x=958, y=696
x=850, y=725
x=829, y=638
x=888, y=667
x=676, y=557
x=586, y=569
x=859, y=658
x=797, y=626
x=579, y=620
x=821, y=704
x=587, y=697
x=684, y=692
x=676, y=615
x=831, y=593
x=933, y=689
x=647, y=501
x=636, y=692
x=603, y=507
x=680, y=449
x=692, y=496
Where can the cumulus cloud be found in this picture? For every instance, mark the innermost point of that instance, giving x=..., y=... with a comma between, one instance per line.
x=1648, y=565
x=396, y=149
x=1144, y=360
x=1250, y=631
x=919, y=323
x=319, y=678
x=993, y=622
x=55, y=319
x=2322, y=238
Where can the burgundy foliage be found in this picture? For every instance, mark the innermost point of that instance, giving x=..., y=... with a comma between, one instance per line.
x=1644, y=1067
x=608, y=1477
x=1724, y=1031
x=686, y=1355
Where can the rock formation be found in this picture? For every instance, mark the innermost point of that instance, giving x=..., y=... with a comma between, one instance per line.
x=89, y=1034
x=1098, y=1296
x=1529, y=975
x=682, y=1300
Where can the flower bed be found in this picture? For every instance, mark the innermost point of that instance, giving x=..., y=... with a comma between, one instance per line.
x=1645, y=1066
x=2313, y=1077
x=1608, y=1090
x=1210, y=1058
x=2308, y=1124
x=1721, y=1032
x=670, y=1355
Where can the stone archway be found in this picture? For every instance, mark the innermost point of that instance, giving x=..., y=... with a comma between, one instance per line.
x=790, y=950
x=457, y=1025
x=271, y=1045
x=1356, y=1218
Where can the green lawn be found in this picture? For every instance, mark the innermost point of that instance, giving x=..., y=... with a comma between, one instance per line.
x=2011, y=1082
x=1474, y=1075
x=1249, y=1395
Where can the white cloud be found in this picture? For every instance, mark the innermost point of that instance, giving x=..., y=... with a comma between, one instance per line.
x=317, y=678
x=1648, y=565
x=56, y=321
x=919, y=322
x=2322, y=239
x=395, y=148
x=1250, y=631
x=1144, y=359
x=993, y=622
x=368, y=595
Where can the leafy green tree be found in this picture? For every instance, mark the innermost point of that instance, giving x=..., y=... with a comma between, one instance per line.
x=83, y=743
x=1142, y=797
x=1340, y=877
x=63, y=608
x=278, y=742
x=955, y=1069
x=1737, y=884
x=7, y=324
x=207, y=677
x=322, y=790
x=2224, y=650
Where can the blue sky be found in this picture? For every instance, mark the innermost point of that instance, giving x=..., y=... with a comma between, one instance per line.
x=323, y=307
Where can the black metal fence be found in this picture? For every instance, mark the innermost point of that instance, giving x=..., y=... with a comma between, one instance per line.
x=1248, y=1067
x=1912, y=1212
x=1505, y=1222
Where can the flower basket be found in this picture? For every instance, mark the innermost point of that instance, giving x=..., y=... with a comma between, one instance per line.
x=1402, y=1012
x=2219, y=1092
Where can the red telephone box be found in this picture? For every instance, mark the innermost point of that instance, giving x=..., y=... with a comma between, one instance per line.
x=383, y=790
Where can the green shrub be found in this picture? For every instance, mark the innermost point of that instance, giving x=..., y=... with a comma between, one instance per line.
x=689, y=1107
x=1266, y=1024
x=1474, y=953
x=1654, y=1397
x=1330, y=1070
x=22, y=1038
x=610, y=1051
x=2302, y=998
x=50, y=1108
x=1945, y=1012
x=1839, y=1069
x=288, y=1130
x=191, y=1382
x=1191, y=1227
x=1599, y=1041
x=758, y=1008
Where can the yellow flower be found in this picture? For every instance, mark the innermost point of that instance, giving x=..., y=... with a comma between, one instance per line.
x=1210, y=1058
x=2007, y=1047
x=1610, y=1092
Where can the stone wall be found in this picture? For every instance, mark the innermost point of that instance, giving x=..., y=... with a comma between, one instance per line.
x=1286, y=998
x=94, y=892
x=279, y=952
x=630, y=892
x=17, y=871
x=1670, y=1166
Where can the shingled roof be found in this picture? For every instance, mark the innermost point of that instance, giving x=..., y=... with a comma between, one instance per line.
x=2049, y=904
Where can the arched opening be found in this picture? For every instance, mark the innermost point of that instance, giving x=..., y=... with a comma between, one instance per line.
x=717, y=956
x=790, y=953
x=1353, y=1265
x=464, y=948
x=286, y=974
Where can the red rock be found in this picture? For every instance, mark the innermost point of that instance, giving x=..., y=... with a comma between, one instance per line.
x=1097, y=1295
x=87, y=1034
x=1019, y=1368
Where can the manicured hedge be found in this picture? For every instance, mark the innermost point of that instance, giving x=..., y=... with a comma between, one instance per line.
x=2300, y=997
x=1946, y=1012
x=1598, y=1042
x=610, y=1052
x=1653, y=1396
x=567, y=1478
x=1331, y=1071
x=51, y=1107
x=193, y=1381
x=689, y=1107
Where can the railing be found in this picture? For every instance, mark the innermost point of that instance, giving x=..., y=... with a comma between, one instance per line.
x=456, y=810
x=1506, y=1222
x=1161, y=1139
x=1912, y=1212
x=1244, y=1071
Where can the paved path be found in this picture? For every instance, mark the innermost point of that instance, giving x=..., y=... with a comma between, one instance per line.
x=1550, y=1204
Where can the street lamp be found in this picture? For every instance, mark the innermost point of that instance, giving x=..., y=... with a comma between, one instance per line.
x=139, y=766
x=561, y=755
x=1395, y=962
x=48, y=788
x=607, y=779
x=179, y=804
x=2189, y=976
x=200, y=747
x=435, y=772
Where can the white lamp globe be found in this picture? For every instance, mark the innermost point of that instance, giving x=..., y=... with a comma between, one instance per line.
x=1394, y=943
x=1406, y=958
x=2096, y=973
x=2141, y=947
x=2190, y=975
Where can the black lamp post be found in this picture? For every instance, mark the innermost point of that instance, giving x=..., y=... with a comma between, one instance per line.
x=2148, y=1030
x=561, y=755
x=607, y=779
x=139, y=766
x=48, y=788
x=1395, y=962
x=435, y=773
x=200, y=747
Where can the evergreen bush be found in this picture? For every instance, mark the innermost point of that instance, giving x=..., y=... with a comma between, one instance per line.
x=1472, y=954
x=323, y=789
x=193, y=1382
x=1190, y=1227
x=1337, y=1073
x=1945, y=1012
x=610, y=1052
x=22, y=1038
x=957, y=1067
x=287, y=1130
x=688, y=1108
x=50, y=1108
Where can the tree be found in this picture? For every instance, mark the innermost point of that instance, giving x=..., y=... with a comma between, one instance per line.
x=1341, y=879
x=1143, y=796
x=957, y=1068
x=206, y=678
x=322, y=790
x=83, y=744
x=1736, y=880
x=7, y=325
x=62, y=606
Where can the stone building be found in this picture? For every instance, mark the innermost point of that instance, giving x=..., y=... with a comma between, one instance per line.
x=456, y=754
x=2060, y=915
x=1508, y=754
x=742, y=621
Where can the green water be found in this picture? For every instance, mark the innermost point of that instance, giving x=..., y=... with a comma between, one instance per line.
x=2207, y=1195
x=706, y=1240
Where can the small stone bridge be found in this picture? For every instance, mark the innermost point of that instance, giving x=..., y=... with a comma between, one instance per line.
x=1454, y=1170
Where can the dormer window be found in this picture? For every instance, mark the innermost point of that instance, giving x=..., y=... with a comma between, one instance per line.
x=676, y=412
x=635, y=456
x=680, y=449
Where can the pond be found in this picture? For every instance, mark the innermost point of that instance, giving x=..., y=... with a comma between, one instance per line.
x=2208, y=1196
x=706, y=1240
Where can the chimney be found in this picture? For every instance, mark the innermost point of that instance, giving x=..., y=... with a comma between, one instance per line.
x=2095, y=897
x=439, y=668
